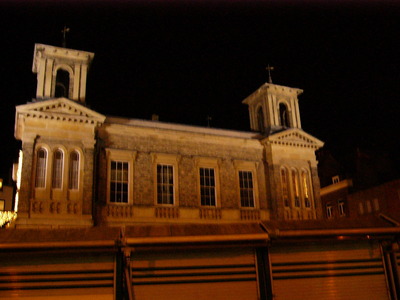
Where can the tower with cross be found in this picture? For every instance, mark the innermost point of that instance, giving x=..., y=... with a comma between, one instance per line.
x=61, y=72
x=273, y=107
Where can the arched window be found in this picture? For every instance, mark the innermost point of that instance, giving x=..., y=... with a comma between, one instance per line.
x=57, y=169
x=296, y=188
x=284, y=115
x=62, y=84
x=285, y=187
x=306, y=188
x=260, y=120
x=41, y=165
x=73, y=176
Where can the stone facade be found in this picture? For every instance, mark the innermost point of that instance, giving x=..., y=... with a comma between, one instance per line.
x=81, y=168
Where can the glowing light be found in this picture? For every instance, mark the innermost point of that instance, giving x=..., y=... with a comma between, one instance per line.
x=18, y=183
x=7, y=217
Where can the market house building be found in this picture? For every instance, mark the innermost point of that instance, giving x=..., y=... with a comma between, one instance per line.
x=137, y=209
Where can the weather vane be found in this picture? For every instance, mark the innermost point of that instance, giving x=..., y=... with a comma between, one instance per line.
x=269, y=69
x=64, y=32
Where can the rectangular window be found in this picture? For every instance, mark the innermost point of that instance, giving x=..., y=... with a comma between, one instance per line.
x=342, y=212
x=119, y=181
x=165, y=184
x=329, y=211
x=246, y=189
x=2, y=204
x=207, y=186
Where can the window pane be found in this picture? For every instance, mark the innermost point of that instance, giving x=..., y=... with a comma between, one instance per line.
x=246, y=189
x=119, y=181
x=41, y=164
x=295, y=185
x=285, y=188
x=165, y=184
x=207, y=186
x=57, y=169
x=73, y=177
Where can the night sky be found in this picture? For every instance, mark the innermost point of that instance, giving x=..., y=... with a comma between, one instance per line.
x=186, y=60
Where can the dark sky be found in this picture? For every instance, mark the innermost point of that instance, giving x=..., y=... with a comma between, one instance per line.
x=185, y=60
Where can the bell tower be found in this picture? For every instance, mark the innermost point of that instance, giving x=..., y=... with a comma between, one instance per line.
x=61, y=72
x=290, y=152
x=274, y=108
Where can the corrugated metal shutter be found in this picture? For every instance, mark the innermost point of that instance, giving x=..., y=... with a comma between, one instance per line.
x=337, y=270
x=195, y=274
x=56, y=276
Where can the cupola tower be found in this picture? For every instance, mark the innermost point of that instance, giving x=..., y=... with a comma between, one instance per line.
x=61, y=72
x=274, y=108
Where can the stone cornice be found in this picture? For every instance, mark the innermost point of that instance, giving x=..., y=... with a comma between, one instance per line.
x=273, y=88
x=47, y=51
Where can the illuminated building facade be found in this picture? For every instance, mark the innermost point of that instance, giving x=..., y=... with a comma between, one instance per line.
x=122, y=208
x=82, y=167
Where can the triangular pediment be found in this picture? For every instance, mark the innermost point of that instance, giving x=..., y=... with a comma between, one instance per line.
x=60, y=109
x=294, y=137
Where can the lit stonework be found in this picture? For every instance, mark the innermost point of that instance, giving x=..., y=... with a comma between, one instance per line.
x=61, y=72
x=81, y=167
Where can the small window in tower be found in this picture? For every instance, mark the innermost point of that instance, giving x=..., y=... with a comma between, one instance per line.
x=260, y=120
x=335, y=179
x=62, y=84
x=284, y=115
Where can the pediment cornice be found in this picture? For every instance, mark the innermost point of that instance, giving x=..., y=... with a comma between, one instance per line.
x=60, y=109
x=294, y=138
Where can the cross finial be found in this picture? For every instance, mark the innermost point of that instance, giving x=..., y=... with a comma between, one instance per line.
x=208, y=121
x=269, y=69
x=64, y=32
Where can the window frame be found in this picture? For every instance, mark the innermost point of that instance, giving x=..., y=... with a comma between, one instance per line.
x=247, y=166
x=341, y=208
x=295, y=188
x=167, y=160
x=246, y=189
x=126, y=156
x=74, y=173
x=306, y=187
x=44, y=169
x=207, y=183
x=57, y=170
x=208, y=163
x=287, y=201
x=329, y=211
